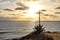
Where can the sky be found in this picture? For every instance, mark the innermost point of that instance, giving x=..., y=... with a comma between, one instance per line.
x=28, y=10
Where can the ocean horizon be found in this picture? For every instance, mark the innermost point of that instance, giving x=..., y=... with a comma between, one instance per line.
x=15, y=29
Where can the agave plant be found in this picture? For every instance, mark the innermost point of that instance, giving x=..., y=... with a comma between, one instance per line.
x=38, y=29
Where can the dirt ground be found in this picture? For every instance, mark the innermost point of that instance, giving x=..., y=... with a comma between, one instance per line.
x=56, y=36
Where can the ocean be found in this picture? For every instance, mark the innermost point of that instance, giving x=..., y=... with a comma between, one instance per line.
x=17, y=29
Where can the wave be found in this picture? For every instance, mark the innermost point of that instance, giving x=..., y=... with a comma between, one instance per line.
x=5, y=32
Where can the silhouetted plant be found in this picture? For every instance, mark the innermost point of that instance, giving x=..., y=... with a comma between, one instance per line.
x=38, y=29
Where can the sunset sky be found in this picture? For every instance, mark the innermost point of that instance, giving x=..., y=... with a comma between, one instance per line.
x=27, y=10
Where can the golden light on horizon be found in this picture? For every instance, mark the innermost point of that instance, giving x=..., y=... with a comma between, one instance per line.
x=28, y=10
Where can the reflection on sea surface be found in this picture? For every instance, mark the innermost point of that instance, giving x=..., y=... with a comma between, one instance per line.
x=17, y=29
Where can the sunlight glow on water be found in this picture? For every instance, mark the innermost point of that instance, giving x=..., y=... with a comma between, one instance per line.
x=13, y=29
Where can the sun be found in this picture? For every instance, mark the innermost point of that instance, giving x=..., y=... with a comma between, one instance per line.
x=33, y=8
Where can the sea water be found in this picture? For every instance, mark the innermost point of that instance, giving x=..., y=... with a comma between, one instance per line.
x=17, y=29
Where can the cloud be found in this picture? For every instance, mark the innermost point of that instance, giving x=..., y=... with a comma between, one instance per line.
x=0, y=12
x=21, y=8
x=8, y=18
x=14, y=14
x=50, y=15
x=3, y=0
x=57, y=8
x=53, y=0
x=43, y=10
x=7, y=0
x=21, y=4
x=57, y=12
x=4, y=18
x=8, y=9
x=18, y=8
x=54, y=16
x=46, y=14
x=8, y=4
